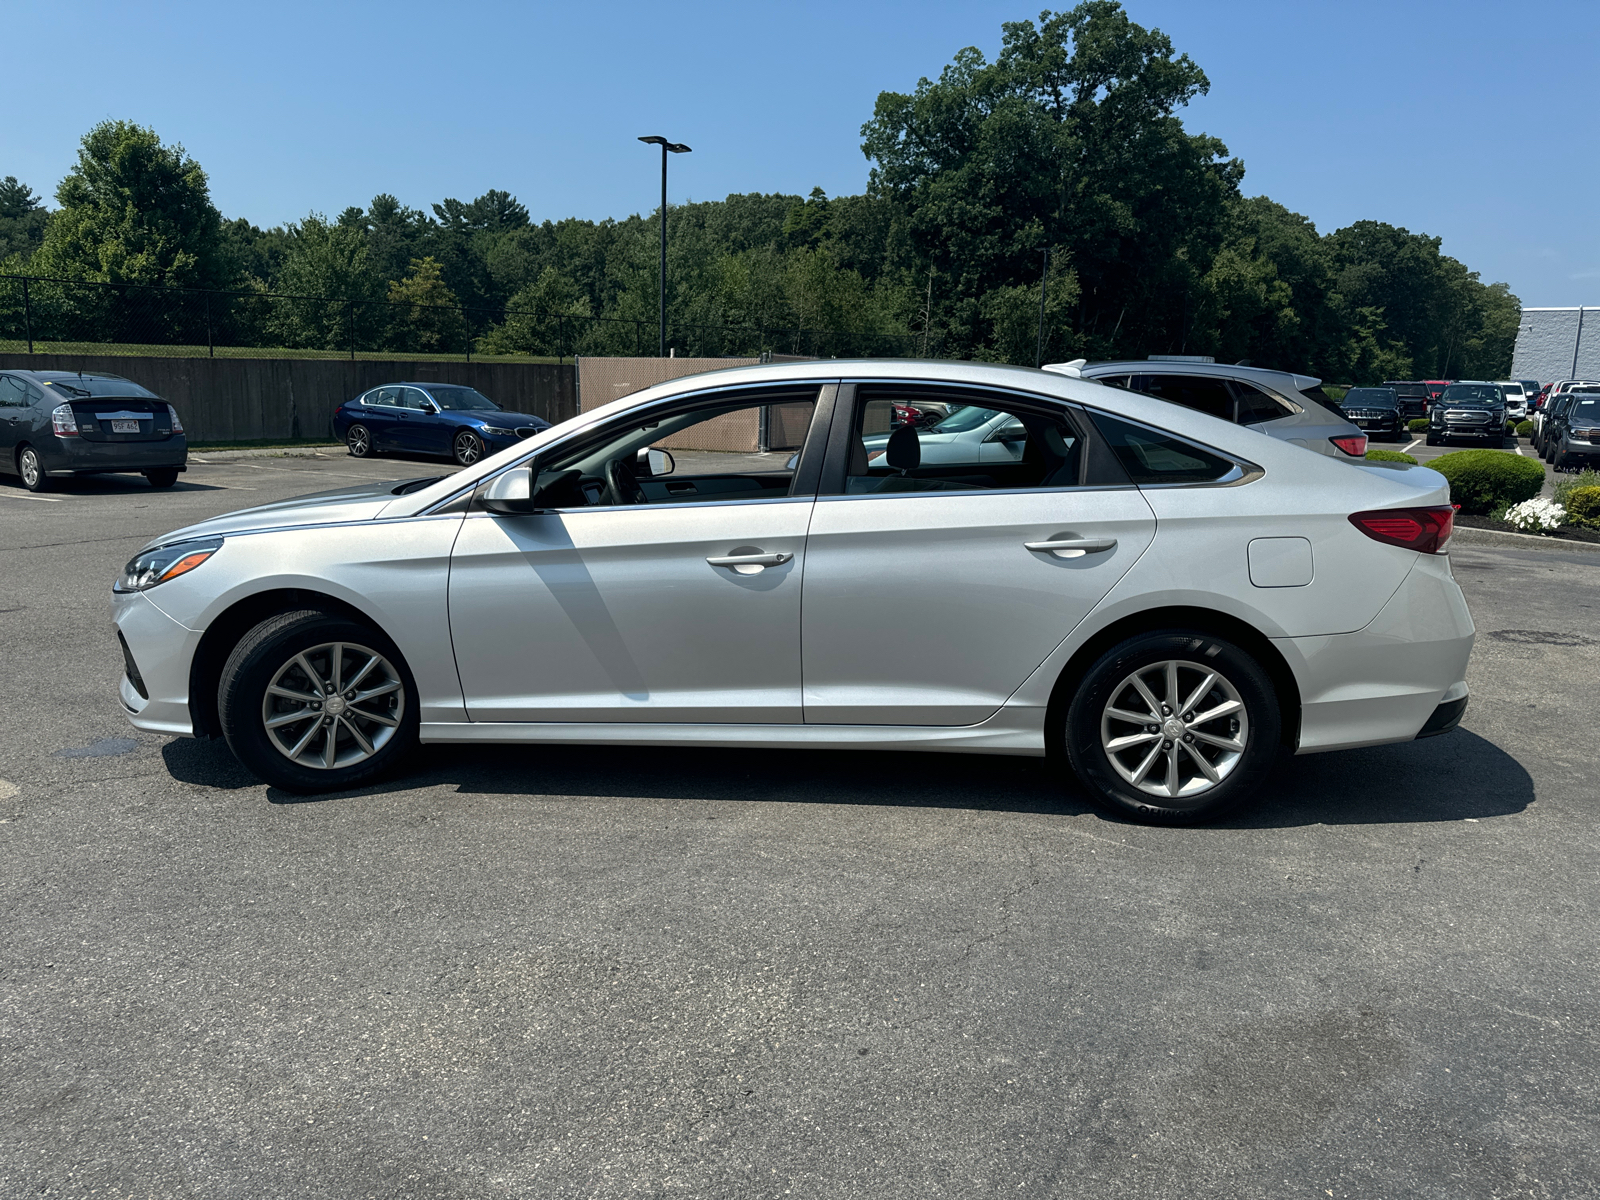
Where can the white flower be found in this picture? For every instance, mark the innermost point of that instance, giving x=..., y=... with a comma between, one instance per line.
x=1536, y=516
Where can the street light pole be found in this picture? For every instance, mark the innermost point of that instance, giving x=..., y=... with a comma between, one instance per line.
x=674, y=148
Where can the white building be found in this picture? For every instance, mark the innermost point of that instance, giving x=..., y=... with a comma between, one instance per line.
x=1557, y=343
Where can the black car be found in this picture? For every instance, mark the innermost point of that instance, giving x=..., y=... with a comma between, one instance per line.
x=1376, y=410
x=62, y=423
x=1475, y=410
x=1413, y=397
x=1572, y=433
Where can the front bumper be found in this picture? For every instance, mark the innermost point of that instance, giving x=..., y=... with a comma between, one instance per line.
x=159, y=650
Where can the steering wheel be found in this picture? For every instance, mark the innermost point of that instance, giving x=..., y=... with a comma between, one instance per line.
x=623, y=483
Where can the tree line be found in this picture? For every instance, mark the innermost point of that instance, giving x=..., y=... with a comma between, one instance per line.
x=1068, y=145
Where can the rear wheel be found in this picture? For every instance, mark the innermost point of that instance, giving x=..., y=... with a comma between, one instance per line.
x=1173, y=727
x=164, y=478
x=32, y=470
x=358, y=438
x=315, y=702
x=467, y=447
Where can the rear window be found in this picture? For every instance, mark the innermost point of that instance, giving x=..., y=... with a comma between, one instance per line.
x=83, y=387
x=1151, y=456
x=1321, y=399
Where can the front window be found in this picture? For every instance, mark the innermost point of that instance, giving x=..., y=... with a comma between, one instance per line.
x=726, y=448
x=462, y=399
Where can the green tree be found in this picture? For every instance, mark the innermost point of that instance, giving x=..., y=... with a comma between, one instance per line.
x=22, y=219
x=329, y=288
x=425, y=315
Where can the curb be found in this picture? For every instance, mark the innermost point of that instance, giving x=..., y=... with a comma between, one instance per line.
x=1467, y=536
x=331, y=450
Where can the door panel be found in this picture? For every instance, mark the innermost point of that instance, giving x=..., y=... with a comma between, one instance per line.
x=419, y=429
x=614, y=614
x=928, y=609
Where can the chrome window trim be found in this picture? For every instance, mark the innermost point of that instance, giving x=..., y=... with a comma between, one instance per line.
x=1031, y=491
x=638, y=508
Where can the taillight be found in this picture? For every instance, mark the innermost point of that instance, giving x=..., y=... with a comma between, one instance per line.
x=62, y=421
x=1355, y=447
x=1422, y=529
x=177, y=425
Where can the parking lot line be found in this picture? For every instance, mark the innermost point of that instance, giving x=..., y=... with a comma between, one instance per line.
x=1414, y=443
x=24, y=496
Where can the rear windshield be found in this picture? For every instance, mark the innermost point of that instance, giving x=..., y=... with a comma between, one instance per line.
x=82, y=387
x=1369, y=398
x=1472, y=393
x=1321, y=398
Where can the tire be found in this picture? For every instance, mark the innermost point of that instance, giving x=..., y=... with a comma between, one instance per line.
x=358, y=440
x=370, y=736
x=31, y=468
x=1433, y=439
x=1250, y=721
x=1560, y=460
x=466, y=447
x=164, y=478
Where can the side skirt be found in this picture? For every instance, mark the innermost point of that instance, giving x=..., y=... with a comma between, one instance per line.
x=1010, y=731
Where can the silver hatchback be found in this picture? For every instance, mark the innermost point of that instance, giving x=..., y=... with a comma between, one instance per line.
x=1290, y=407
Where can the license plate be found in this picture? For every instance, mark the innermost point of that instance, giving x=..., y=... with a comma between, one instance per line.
x=124, y=427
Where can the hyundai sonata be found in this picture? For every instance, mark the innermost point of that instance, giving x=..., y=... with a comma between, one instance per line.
x=1159, y=600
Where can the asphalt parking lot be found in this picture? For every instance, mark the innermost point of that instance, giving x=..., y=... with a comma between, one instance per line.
x=573, y=972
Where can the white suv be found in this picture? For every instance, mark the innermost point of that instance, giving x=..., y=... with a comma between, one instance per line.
x=1516, y=399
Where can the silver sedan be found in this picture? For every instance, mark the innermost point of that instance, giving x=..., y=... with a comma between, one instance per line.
x=1160, y=601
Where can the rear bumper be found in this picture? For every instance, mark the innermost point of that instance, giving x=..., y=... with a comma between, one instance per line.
x=1387, y=682
x=74, y=456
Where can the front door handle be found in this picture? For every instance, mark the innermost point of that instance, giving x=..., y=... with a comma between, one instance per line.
x=1073, y=547
x=749, y=564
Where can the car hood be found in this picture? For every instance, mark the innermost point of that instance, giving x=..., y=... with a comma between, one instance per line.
x=500, y=418
x=360, y=502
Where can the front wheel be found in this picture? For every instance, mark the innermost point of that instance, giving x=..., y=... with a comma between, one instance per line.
x=32, y=470
x=315, y=702
x=1173, y=727
x=467, y=448
x=1433, y=439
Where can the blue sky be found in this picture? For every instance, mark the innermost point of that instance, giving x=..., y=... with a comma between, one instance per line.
x=1468, y=120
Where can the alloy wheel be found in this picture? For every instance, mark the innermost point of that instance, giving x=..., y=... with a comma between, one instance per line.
x=468, y=448
x=359, y=441
x=29, y=467
x=1174, y=728
x=333, y=705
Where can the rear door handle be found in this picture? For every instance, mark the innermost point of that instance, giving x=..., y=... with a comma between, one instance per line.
x=1073, y=547
x=749, y=564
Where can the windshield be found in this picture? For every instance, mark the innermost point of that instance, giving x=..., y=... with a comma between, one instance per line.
x=964, y=420
x=463, y=399
x=1369, y=398
x=1472, y=393
x=88, y=385
x=1410, y=391
x=1584, y=409
x=1512, y=390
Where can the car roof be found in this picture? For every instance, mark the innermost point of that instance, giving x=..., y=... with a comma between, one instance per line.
x=1220, y=370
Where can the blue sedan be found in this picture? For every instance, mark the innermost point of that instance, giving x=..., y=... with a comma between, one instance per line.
x=430, y=418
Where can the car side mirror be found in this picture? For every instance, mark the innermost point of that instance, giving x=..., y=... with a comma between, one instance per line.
x=1009, y=433
x=511, y=493
x=653, y=463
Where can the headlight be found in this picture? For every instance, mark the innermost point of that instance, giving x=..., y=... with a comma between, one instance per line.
x=164, y=563
x=505, y=433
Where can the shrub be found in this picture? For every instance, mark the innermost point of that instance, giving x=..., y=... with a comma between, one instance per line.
x=1536, y=516
x=1583, y=507
x=1484, y=480
x=1586, y=478
x=1418, y=424
x=1524, y=429
x=1390, y=456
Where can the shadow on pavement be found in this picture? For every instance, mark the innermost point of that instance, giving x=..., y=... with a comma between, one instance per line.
x=1450, y=778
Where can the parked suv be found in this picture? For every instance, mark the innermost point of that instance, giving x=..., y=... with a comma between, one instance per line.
x=1292, y=408
x=1413, y=396
x=1516, y=399
x=1554, y=400
x=1473, y=409
x=63, y=423
x=1575, y=438
x=1376, y=411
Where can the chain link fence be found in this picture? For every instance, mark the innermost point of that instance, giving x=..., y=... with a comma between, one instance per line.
x=41, y=315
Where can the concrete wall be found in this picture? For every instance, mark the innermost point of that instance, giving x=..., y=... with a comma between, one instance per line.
x=257, y=399
x=1548, y=340
x=602, y=380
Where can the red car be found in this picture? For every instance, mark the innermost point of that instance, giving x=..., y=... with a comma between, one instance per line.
x=1436, y=389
